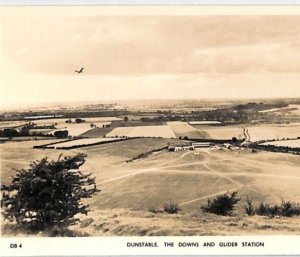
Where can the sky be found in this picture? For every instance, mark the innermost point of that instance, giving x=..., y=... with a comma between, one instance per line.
x=145, y=56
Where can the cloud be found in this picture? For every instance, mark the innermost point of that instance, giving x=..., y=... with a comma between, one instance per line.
x=153, y=57
x=139, y=45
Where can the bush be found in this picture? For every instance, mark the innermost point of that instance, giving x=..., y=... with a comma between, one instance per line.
x=48, y=194
x=222, y=205
x=249, y=208
x=171, y=208
x=286, y=209
x=154, y=210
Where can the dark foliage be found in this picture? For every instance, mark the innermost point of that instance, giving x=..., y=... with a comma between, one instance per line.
x=171, y=208
x=48, y=194
x=276, y=149
x=222, y=204
x=9, y=133
x=249, y=207
x=234, y=140
x=154, y=210
x=61, y=133
x=287, y=209
x=78, y=120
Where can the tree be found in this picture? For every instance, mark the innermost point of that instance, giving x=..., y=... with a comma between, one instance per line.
x=61, y=133
x=10, y=133
x=222, y=204
x=234, y=140
x=48, y=194
x=79, y=120
x=125, y=118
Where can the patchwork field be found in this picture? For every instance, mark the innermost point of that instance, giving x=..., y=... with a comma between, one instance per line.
x=270, y=132
x=11, y=124
x=183, y=129
x=289, y=143
x=97, y=132
x=74, y=129
x=186, y=178
x=224, y=132
x=87, y=120
x=292, y=108
x=163, y=131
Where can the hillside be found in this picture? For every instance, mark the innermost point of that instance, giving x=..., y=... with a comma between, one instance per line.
x=188, y=178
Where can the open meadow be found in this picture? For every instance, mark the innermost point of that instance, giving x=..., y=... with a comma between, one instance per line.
x=189, y=179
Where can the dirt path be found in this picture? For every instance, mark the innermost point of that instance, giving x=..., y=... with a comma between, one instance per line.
x=129, y=174
x=220, y=174
x=207, y=196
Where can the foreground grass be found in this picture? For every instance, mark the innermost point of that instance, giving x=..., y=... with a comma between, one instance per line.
x=125, y=222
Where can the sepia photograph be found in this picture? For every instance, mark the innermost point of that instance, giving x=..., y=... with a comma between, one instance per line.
x=122, y=122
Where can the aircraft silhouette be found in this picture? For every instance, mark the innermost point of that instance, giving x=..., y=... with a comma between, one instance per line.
x=79, y=71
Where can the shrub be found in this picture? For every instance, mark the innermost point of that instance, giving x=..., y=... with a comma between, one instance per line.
x=171, y=208
x=289, y=209
x=154, y=210
x=48, y=194
x=222, y=204
x=286, y=209
x=249, y=208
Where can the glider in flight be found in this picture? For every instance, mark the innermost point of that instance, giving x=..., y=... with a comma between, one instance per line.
x=79, y=71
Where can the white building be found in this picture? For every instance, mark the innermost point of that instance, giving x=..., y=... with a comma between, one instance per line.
x=201, y=144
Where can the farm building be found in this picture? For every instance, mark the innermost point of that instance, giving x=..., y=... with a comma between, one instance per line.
x=201, y=144
x=190, y=147
x=180, y=148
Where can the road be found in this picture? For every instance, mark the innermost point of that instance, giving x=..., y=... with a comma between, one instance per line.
x=246, y=135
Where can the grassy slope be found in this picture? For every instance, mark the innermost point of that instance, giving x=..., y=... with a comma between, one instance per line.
x=190, y=178
x=187, y=178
